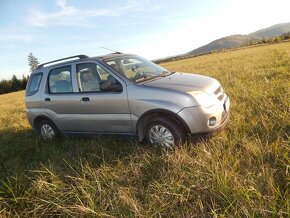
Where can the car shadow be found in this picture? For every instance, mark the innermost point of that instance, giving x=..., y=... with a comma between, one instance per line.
x=23, y=151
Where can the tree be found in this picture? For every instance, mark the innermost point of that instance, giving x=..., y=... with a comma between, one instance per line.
x=15, y=83
x=24, y=81
x=32, y=62
x=5, y=86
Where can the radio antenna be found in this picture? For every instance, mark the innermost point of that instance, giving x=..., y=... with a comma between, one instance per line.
x=112, y=50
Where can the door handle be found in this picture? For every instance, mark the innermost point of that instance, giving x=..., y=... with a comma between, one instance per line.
x=47, y=99
x=85, y=99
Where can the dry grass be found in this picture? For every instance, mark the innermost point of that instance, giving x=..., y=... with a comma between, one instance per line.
x=241, y=172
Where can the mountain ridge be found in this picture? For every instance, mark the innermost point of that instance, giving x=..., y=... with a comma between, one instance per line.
x=238, y=40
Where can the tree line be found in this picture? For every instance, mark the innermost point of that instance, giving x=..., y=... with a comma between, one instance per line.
x=17, y=84
x=13, y=85
x=283, y=37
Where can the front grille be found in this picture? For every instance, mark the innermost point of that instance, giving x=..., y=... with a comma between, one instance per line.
x=221, y=97
x=219, y=93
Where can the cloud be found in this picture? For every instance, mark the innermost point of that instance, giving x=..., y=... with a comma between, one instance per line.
x=62, y=4
x=71, y=16
x=13, y=35
x=37, y=17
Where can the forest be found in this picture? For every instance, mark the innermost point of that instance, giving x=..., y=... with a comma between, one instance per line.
x=13, y=85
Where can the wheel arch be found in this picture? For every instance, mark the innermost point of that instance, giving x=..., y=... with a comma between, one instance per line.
x=39, y=118
x=146, y=117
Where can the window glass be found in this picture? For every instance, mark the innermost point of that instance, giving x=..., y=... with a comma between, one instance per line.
x=60, y=80
x=116, y=65
x=90, y=76
x=132, y=66
x=137, y=69
x=33, y=84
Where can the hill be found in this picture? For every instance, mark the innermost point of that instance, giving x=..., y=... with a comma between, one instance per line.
x=240, y=172
x=235, y=41
x=224, y=43
x=272, y=31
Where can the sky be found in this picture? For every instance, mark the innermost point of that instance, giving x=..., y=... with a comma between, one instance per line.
x=53, y=29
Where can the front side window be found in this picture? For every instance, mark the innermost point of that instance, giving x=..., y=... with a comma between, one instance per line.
x=33, y=84
x=60, y=80
x=90, y=76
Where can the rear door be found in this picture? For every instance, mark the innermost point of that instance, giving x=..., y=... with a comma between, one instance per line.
x=60, y=99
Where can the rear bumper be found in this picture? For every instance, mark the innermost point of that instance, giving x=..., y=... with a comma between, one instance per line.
x=31, y=115
x=197, y=118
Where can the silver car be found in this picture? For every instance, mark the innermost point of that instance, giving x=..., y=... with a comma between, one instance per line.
x=123, y=94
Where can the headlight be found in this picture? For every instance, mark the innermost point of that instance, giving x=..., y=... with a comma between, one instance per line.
x=202, y=98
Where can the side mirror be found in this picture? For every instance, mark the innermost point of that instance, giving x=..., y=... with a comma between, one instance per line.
x=111, y=86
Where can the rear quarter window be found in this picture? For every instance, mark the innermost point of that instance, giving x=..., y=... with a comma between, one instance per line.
x=33, y=84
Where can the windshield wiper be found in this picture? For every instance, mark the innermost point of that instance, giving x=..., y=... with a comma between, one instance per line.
x=168, y=73
x=145, y=78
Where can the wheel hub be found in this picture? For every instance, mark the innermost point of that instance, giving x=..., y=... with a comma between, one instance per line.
x=161, y=135
x=47, y=131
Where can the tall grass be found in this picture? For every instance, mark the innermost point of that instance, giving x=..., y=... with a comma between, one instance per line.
x=241, y=172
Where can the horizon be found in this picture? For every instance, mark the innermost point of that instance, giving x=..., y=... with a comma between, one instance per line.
x=61, y=28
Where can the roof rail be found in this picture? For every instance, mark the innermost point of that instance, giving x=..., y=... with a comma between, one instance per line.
x=62, y=59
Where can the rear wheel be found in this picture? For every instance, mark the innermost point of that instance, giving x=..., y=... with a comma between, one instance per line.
x=47, y=130
x=165, y=132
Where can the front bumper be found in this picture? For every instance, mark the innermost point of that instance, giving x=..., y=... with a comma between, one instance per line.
x=197, y=118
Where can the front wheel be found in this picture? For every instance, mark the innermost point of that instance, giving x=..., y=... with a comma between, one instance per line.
x=165, y=132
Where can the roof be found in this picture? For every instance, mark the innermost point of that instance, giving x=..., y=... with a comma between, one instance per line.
x=62, y=60
x=81, y=57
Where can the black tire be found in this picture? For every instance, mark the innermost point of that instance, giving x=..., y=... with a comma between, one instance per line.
x=43, y=124
x=176, y=130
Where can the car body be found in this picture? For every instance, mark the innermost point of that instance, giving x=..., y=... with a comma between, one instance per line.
x=123, y=94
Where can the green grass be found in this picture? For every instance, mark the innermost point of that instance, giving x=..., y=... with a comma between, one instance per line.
x=243, y=171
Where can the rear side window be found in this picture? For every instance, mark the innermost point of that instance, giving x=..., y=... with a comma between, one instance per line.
x=33, y=84
x=60, y=80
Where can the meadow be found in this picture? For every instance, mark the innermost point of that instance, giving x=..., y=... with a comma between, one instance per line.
x=243, y=171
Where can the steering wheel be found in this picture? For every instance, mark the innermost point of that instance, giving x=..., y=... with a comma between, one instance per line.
x=135, y=67
x=140, y=74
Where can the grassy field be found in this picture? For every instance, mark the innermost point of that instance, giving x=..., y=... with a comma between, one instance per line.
x=243, y=171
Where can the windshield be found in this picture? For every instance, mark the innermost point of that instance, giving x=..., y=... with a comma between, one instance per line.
x=137, y=69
